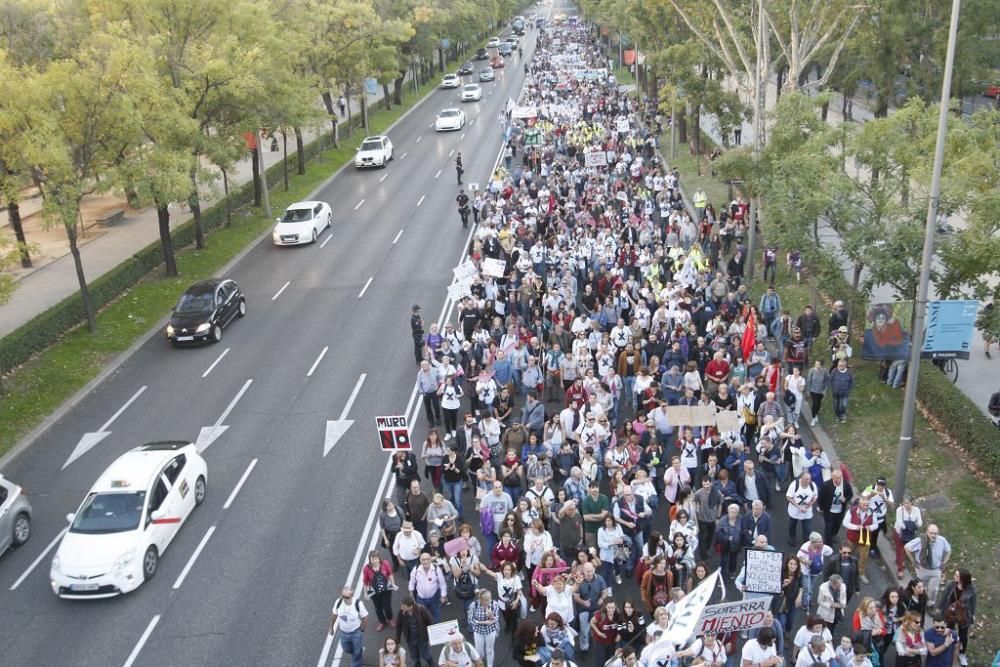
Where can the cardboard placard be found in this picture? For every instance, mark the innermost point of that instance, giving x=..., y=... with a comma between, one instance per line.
x=460, y=290
x=442, y=633
x=737, y=616
x=465, y=272
x=595, y=159
x=762, y=571
x=727, y=420
x=494, y=267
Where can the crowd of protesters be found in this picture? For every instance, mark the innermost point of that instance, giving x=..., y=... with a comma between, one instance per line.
x=554, y=508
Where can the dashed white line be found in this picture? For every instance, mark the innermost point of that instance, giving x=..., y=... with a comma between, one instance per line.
x=224, y=353
x=239, y=484
x=418, y=139
x=193, y=558
x=278, y=293
x=326, y=240
x=431, y=125
x=38, y=560
x=422, y=197
x=383, y=178
x=403, y=156
x=142, y=641
x=471, y=122
x=365, y=288
x=437, y=174
x=462, y=137
x=452, y=151
x=358, y=205
x=397, y=237
x=312, y=369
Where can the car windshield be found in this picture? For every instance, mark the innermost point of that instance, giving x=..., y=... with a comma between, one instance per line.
x=109, y=513
x=297, y=215
x=471, y=88
x=449, y=113
x=201, y=302
x=371, y=146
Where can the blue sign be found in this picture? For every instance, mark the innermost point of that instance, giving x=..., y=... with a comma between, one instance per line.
x=371, y=86
x=950, y=325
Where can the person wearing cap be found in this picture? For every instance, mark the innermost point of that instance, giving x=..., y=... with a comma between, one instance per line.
x=840, y=348
x=350, y=616
x=417, y=331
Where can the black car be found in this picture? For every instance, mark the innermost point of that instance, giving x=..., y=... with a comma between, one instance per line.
x=204, y=309
x=466, y=69
x=482, y=54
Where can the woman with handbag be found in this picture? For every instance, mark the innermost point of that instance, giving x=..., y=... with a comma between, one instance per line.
x=611, y=542
x=510, y=593
x=958, y=602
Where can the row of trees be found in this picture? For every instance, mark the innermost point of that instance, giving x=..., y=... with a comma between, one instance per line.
x=870, y=182
x=152, y=98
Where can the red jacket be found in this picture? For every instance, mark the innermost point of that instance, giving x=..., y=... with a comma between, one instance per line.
x=862, y=535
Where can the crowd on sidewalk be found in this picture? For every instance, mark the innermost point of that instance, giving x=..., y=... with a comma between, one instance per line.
x=556, y=508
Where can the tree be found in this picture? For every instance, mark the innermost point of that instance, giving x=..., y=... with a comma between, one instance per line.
x=84, y=119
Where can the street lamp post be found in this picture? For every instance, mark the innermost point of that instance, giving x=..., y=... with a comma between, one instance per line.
x=263, y=176
x=920, y=307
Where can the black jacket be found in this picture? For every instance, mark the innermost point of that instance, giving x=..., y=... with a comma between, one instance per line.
x=403, y=626
x=825, y=496
x=763, y=491
x=850, y=575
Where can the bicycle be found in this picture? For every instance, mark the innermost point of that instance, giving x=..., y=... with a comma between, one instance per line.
x=949, y=367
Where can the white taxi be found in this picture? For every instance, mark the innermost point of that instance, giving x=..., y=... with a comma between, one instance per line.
x=127, y=521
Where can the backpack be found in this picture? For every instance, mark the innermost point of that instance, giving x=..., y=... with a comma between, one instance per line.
x=469, y=651
x=465, y=587
x=380, y=584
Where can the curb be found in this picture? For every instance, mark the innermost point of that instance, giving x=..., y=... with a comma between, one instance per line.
x=28, y=440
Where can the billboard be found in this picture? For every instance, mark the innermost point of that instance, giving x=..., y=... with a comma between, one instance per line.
x=950, y=325
x=885, y=335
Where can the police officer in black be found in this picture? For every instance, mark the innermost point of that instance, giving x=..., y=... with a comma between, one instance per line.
x=417, y=330
x=459, y=169
x=463, y=207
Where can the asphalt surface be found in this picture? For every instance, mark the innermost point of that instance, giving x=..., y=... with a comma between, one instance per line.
x=261, y=589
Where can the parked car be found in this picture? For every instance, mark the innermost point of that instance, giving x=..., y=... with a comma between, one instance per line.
x=15, y=515
x=204, y=310
x=373, y=152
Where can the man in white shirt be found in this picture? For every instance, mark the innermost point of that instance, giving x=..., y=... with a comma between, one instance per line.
x=459, y=653
x=353, y=617
x=761, y=651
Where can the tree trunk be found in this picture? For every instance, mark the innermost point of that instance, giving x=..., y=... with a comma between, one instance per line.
x=255, y=171
x=386, y=97
x=195, y=203
x=300, y=152
x=284, y=158
x=824, y=110
x=85, y=300
x=780, y=82
x=856, y=277
x=229, y=204
x=14, y=213
x=397, y=90
x=682, y=128
x=166, y=242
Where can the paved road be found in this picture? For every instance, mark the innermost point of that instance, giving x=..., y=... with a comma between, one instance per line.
x=261, y=589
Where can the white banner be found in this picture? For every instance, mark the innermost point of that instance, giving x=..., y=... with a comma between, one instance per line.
x=734, y=616
x=494, y=267
x=688, y=612
x=458, y=291
x=465, y=272
x=442, y=633
x=595, y=159
x=762, y=571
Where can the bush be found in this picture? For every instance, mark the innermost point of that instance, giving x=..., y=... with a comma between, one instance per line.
x=961, y=418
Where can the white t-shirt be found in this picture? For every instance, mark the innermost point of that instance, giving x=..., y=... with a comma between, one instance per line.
x=467, y=658
x=803, y=495
x=807, y=658
x=560, y=603
x=804, y=634
x=756, y=653
x=349, y=614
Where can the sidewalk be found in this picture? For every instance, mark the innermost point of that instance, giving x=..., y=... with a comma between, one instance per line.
x=976, y=377
x=53, y=276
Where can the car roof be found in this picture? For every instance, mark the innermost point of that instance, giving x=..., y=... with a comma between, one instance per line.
x=472, y=85
x=204, y=286
x=451, y=109
x=133, y=470
x=376, y=137
x=304, y=204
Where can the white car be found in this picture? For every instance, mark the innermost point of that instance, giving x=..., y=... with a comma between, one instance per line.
x=450, y=119
x=472, y=92
x=373, y=152
x=451, y=81
x=127, y=521
x=302, y=223
x=493, y=43
x=513, y=41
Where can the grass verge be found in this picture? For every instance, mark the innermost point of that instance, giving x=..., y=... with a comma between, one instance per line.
x=950, y=494
x=33, y=391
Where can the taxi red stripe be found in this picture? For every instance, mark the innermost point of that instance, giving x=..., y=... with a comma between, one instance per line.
x=169, y=519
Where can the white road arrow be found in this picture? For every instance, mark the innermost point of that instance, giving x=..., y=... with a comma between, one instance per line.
x=335, y=429
x=210, y=434
x=90, y=440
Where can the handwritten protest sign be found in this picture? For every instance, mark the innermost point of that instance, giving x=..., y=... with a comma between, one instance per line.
x=493, y=267
x=737, y=616
x=763, y=571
